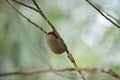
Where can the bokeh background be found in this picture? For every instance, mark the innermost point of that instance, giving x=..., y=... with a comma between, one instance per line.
x=93, y=41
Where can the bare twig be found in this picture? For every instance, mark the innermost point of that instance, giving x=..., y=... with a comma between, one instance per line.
x=75, y=64
x=25, y=5
x=110, y=16
x=27, y=18
x=37, y=10
x=102, y=14
x=111, y=73
x=43, y=15
x=107, y=71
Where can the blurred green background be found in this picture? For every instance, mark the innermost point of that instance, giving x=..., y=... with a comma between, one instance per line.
x=93, y=41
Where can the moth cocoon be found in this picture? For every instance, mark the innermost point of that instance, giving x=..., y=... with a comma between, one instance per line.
x=55, y=42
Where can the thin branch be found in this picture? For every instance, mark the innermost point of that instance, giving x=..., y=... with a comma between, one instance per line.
x=43, y=15
x=27, y=18
x=111, y=73
x=110, y=16
x=37, y=10
x=102, y=14
x=92, y=70
x=25, y=5
x=75, y=64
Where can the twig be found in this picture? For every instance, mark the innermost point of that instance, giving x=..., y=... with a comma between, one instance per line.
x=110, y=16
x=102, y=14
x=110, y=72
x=107, y=71
x=27, y=18
x=75, y=64
x=37, y=10
x=43, y=15
x=25, y=5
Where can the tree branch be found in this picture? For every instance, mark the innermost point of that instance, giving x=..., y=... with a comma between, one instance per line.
x=92, y=70
x=39, y=10
x=75, y=64
x=27, y=18
x=102, y=13
x=43, y=15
